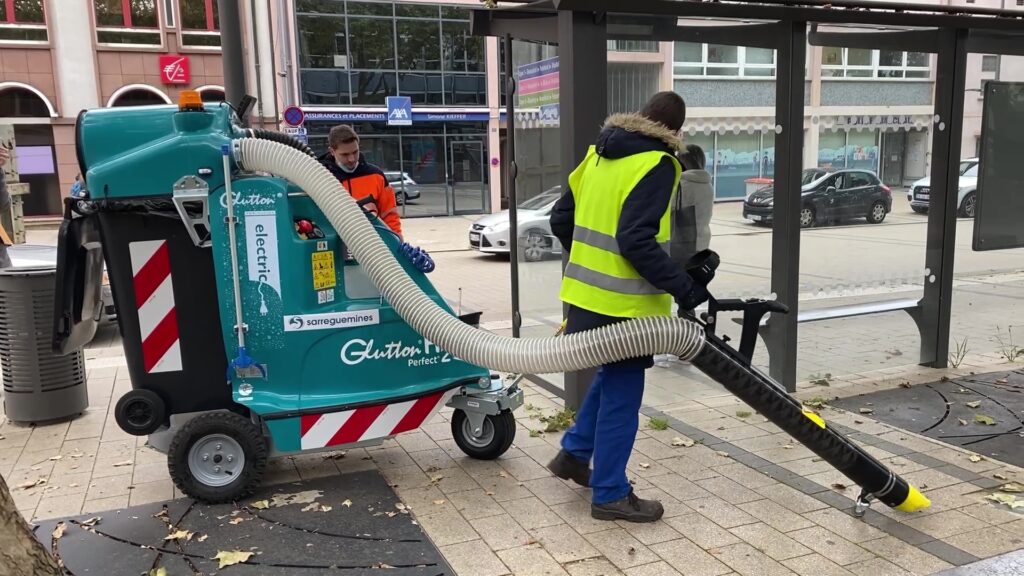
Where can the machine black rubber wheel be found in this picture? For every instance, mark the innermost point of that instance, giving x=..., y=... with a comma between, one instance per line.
x=204, y=457
x=140, y=412
x=807, y=217
x=969, y=206
x=499, y=432
x=876, y=214
x=919, y=209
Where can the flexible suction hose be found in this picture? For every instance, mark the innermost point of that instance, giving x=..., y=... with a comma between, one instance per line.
x=628, y=339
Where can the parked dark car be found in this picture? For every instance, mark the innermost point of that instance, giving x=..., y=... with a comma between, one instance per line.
x=828, y=196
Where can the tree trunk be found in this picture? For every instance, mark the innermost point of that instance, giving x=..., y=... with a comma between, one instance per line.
x=20, y=552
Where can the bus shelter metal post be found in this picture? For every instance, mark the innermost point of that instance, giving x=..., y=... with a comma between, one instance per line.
x=582, y=106
x=781, y=339
x=947, y=130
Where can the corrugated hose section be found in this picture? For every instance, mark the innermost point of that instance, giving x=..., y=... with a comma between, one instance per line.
x=578, y=351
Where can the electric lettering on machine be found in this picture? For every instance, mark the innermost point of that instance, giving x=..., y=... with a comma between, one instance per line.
x=262, y=266
x=424, y=353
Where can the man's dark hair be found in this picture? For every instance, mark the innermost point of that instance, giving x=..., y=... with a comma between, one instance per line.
x=342, y=134
x=693, y=157
x=666, y=108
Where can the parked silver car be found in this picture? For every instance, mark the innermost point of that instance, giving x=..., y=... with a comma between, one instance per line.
x=490, y=233
x=37, y=255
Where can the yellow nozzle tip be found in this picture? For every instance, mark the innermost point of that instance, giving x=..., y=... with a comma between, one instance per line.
x=813, y=417
x=915, y=501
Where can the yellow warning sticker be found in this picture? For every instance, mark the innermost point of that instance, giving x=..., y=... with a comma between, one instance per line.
x=323, y=270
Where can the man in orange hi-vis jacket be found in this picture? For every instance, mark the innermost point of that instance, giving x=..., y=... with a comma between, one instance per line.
x=359, y=177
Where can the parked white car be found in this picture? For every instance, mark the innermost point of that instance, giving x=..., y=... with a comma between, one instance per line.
x=490, y=233
x=919, y=194
x=405, y=187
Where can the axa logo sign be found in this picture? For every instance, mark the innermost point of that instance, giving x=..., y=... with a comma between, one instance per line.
x=174, y=69
x=399, y=110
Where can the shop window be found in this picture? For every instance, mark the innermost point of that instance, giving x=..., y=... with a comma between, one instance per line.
x=200, y=23
x=989, y=63
x=419, y=44
x=21, y=103
x=357, y=53
x=861, y=63
x=132, y=22
x=692, y=59
x=212, y=95
x=22, y=21
x=139, y=97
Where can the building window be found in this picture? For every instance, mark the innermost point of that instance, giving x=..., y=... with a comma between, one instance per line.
x=860, y=63
x=200, y=23
x=718, y=60
x=990, y=63
x=132, y=22
x=632, y=46
x=358, y=53
x=22, y=21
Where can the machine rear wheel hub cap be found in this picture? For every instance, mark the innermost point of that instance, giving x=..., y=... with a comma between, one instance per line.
x=216, y=460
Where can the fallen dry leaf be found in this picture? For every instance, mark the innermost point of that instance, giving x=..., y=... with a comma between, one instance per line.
x=231, y=558
x=312, y=507
x=789, y=447
x=325, y=508
x=161, y=514
x=179, y=535
x=722, y=454
x=305, y=497
x=438, y=502
x=161, y=571
x=503, y=474
x=1009, y=499
x=77, y=455
x=382, y=566
x=202, y=538
x=347, y=503
x=976, y=458
x=999, y=476
x=1012, y=487
x=974, y=404
x=1002, y=381
x=261, y=504
x=632, y=551
x=839, y=486
x=55, y=458
x=73, y=485
x=645, y=465
x=684, y=442
x=58, y=532
x=335, y=456
x=866, y=410
x=962, y=421
x=32, y=483
x=236, y=521
x=125, y=463
x=92, y=521
x=905, y=385
x=984, y=419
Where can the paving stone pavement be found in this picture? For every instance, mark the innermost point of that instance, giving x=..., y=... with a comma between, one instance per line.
x=743, y=500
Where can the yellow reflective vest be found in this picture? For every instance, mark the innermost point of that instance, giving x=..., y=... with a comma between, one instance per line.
x=597, y=277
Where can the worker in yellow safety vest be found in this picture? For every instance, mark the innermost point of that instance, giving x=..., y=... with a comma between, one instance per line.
x=615, y=223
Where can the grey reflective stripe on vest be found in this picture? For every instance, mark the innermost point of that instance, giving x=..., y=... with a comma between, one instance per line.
x=638, y=286
x=601, y=240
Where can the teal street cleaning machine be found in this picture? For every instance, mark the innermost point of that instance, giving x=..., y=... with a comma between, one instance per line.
x=265, y=312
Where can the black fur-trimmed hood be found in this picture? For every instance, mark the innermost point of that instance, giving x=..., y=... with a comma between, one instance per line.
x=627, y=134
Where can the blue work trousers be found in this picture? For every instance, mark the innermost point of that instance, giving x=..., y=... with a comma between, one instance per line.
x=606, y=428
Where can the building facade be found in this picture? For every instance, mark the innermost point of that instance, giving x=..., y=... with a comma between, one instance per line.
x=61, y=57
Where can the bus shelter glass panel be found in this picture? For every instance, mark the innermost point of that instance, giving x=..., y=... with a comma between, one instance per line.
x=538, y=186
x=863, y=215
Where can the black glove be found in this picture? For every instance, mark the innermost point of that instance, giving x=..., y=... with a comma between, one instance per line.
x=697, y=295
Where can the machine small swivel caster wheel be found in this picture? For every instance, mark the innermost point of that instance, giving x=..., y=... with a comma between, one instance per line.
x=484, y=436
x=862, y=504
x=218, y=457
x=140, y=412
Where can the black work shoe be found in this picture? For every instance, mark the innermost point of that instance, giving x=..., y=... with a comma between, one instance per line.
x=568, y=467
x=631, y=509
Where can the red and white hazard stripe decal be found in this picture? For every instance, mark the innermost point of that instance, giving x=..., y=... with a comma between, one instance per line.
x=154, y=299
x=369, y=423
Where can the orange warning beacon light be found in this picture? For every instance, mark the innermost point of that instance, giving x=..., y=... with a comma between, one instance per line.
x=190, y=100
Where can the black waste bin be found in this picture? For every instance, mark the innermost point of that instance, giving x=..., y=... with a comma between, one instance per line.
x=38, y=385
